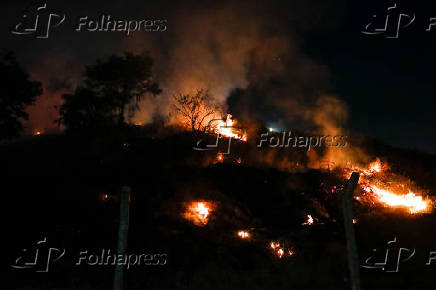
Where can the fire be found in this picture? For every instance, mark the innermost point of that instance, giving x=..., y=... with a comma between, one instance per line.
x=37, y=133
x=219, y=158
x=390, y=193
x=309, y=221
x=279, y=250
x=410, y=200
x=243, y=234
x=199, y=212
x=226, y=128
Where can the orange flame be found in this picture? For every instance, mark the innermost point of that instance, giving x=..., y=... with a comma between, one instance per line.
x=243, y=234
x=226, y=128
x=309, y=221
x=199, y=212
x=279, y=250
x=389, y=194
x=413, y=202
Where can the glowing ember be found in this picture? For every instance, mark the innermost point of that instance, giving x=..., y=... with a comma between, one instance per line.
x=280, y=253
x=278, y=250
x=219, y=158
x=354, y=221
x=37, y=133
x=309, y=221
x=226, y=128
x=410, y=200
x=198, y=212
x=243, y=234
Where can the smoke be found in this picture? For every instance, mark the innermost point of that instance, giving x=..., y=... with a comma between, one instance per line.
x=252, y=63
x=248, y=56
x=211, y=48
x=58, y=74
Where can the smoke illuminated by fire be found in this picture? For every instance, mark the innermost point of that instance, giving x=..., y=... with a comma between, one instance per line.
x=198, y=212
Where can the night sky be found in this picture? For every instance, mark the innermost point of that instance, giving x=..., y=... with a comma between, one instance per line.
x=387, y=84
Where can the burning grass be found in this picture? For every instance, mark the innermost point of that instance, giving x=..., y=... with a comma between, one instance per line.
x=380, y=186
x=198, y=212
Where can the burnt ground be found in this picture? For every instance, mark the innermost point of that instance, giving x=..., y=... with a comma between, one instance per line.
x=54, y=187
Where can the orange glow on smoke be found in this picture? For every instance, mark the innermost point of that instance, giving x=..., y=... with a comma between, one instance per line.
x=198, y=212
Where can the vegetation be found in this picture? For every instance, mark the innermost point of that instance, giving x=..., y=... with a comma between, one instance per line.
x=195, y=109
x=109, y=88
x=18, y=91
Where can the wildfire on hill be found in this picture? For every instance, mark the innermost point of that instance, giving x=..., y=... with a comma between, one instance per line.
x=379, y=187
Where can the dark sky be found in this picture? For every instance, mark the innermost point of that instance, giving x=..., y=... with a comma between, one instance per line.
x=388, y=84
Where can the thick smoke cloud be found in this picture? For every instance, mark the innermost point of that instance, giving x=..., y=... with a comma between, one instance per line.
x=218, y=46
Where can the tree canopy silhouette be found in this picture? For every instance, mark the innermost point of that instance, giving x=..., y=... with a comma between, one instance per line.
x=17, y=92
x=110, y=87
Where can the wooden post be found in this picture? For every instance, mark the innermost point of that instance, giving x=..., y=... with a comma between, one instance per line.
x=122, y=236
x=347, y=205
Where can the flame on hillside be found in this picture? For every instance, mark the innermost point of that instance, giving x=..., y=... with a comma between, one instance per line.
x=228, y=129
x=198, y=212
x=379, y=187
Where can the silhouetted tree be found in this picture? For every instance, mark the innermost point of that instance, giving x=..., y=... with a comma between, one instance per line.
x=17, y=92
x=109, y=87
x=196, y=109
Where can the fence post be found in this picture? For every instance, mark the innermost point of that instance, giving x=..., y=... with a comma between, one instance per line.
x=122, y=236
x=347, y=205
